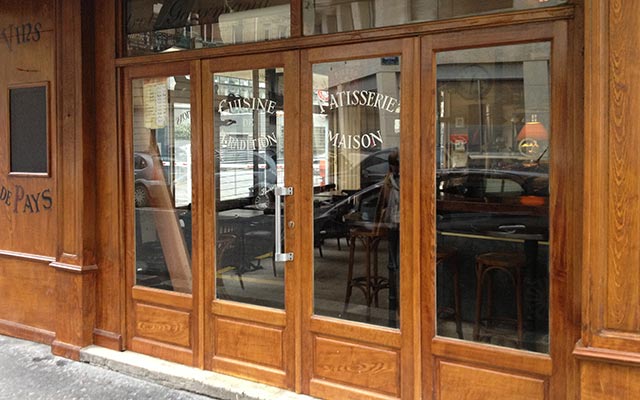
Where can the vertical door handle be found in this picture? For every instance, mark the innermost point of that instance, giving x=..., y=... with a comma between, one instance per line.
x=281, y=192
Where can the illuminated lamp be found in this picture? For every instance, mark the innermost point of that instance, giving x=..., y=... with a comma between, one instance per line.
x=529, y=137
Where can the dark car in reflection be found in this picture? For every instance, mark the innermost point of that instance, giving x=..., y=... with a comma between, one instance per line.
x=477, y=201
x=461, y=195
x=375, y=167
x=480, y=183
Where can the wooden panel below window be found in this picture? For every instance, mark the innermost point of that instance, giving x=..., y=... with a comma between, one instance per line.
x=164, y=325
x=462, y=382
x=161, y=350
x=600, y=381
x=28, y=293
x=324, y=389
x=353, y=364
x=249, y=342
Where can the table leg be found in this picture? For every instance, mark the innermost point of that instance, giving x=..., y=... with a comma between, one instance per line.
x=530, y=280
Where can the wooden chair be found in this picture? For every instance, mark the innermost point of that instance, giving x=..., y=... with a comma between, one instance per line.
x=511, y=264
x=223, y=242
x=370, y=283
x=448, y=258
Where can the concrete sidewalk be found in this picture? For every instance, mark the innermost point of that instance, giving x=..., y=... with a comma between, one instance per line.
x=28, y=370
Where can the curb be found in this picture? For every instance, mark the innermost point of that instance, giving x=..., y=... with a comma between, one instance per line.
x=182, y=377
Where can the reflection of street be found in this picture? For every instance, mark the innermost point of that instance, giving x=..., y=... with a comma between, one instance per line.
x=182, y=192
x=236, y=180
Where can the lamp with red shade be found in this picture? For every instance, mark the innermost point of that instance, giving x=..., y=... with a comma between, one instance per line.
x=530, y=136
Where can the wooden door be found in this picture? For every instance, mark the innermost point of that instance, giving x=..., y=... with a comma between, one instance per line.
x=162, y=211
x=250, y=150
x=357, y=246
x=501, y=186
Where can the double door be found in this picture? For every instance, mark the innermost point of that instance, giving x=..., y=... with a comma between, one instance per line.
x=309, y=219
x=307, y=252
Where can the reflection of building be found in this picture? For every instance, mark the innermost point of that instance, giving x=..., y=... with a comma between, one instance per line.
x=361, y=115
x=69, y=272
x=485, y=105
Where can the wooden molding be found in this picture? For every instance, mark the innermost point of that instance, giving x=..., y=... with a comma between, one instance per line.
x=174, y=300
x=161, y=350
x=66, y=350
x=110, y=340
x=73, y=268
x=611, y=315
x=110, y=289
x=27, y=256
x=26, y=332
x=608, y=356
x=248, y=370
x=328, y=389
x=75, y=147
x=501, y=358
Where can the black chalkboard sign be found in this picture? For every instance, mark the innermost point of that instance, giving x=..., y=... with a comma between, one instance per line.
x=28, y=122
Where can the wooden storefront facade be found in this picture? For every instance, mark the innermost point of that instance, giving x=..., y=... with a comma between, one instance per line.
x=71, y=272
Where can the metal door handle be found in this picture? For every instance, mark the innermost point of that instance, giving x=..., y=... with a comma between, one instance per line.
x=280, y=192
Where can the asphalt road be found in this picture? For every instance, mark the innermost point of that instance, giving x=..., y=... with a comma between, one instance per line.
x=28, y=371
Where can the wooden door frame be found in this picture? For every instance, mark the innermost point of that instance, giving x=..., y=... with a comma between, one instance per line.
x=166, y=304
x=363, y=337
x=556, y=369
x=281, y=322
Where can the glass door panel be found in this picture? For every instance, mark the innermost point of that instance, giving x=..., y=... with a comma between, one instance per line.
x=248, y=110
x=162, y=182
x=492, y=192
x=356, y=145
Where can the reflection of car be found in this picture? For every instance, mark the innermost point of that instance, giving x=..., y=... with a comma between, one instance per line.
x=375, y=166
x=479, y=183
x=466, y=194
x=459, y=191
x=147, y=183
x=148, y=171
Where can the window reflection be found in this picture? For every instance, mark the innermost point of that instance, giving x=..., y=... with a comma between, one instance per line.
x=356, y=139
x=492, y=192
x=329, y=16
x=162, y=182
x=171, y=25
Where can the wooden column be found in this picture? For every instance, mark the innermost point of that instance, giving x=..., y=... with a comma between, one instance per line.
x=609, y=351
x=110, y=299
x=75, y=151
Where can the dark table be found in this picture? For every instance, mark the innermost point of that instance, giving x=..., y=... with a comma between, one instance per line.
x=238, y=219
x=529, y=229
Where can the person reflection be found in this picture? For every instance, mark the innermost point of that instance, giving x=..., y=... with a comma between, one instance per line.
x=388, y=210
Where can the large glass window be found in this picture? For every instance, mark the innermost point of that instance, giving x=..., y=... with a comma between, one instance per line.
x=162, y=182
x=492, y=191
x=154, y=26
x=329, y=16
x=356, y=146
x=249, y=165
